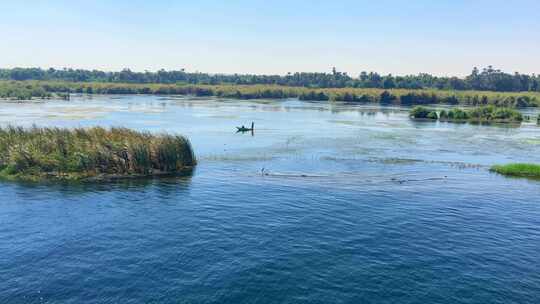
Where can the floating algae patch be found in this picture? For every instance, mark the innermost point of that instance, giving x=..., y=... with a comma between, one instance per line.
x=237, y=158
x=532, y=141
x=395, y=161
x=74, y=116
x=408, y=161
x=397, y=138
x=72, y=113
x=144, y=109
x=348, y=122
x=38, y=154
x=386, y=136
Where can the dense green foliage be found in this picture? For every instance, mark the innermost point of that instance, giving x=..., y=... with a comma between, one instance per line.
x=494, y=114
x=518, y=170
x=41, y=153
x=420, y=112
x=478, y=114
x=19, y=90
x=22, y=91
x=393, y=96
x=482, y=114
x=489, y=79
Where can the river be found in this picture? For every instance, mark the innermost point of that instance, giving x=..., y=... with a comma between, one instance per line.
x=323, y=203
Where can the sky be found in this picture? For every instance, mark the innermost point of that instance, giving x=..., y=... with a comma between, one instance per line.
x=441, y=37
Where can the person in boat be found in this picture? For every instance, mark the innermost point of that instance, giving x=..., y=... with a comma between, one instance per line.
x=244, y=129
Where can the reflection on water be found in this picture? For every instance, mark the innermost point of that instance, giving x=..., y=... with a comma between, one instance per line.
x=74, y=188
x=325, y=203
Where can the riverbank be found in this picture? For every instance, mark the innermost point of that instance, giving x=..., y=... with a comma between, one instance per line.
x=406, y=97
x=23, y=90
x=38, y=154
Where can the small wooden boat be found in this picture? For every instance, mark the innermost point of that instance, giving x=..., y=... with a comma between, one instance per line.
x=244, y=129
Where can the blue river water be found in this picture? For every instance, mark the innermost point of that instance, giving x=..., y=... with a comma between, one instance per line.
x=322, y=204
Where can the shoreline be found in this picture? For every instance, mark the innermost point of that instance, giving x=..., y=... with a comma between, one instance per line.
x=406, y=97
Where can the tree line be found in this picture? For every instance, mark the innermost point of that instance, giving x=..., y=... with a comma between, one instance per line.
x=487, y=79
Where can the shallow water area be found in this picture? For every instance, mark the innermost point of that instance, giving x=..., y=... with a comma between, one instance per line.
x=323, y=203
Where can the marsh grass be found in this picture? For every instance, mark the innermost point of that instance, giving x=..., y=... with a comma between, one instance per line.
x=35, y=154
x=356, y=95
x=518, y=170
x=484, y=114
x=27, y=90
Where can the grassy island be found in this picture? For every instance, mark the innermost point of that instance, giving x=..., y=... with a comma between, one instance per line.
x=518, y=170
x=37, y=154
x=485, y=114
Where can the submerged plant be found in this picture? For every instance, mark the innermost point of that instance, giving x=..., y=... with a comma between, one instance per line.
x=39, y=153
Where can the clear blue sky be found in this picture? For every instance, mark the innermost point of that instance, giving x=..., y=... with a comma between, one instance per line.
x=444, y=37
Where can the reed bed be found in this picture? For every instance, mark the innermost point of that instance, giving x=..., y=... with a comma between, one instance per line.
x=92, y=153
x=487, y=114
x=356, y=95
x=17, y=90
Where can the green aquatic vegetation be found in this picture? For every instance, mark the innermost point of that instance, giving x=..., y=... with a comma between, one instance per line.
x=518, y=170
x=22, y=91
x=532, y=141
x=36, y=154
x=457, y=114
x=488, y=114
x=267, y=91
x=420, y=112
x=494, y=114
x=19, y=90
x=432, y=115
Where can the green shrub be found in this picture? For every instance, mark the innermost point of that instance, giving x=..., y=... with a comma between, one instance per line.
x=494, y=114
x=387, y=97
x=420, y=112
x=443, y=115
x=457, y=114
x=432, y=115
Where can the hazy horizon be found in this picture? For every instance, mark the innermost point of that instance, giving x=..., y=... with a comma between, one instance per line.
x=447, y=38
